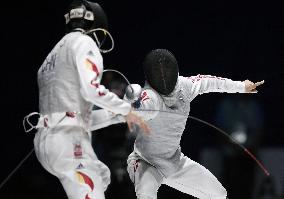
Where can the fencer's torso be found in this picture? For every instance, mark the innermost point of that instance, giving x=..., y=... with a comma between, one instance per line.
x=161, y=147
x=58, y=80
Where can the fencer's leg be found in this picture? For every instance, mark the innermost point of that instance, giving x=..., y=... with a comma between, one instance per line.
x=67, y=153
x=145, y=177
x=88, y=178
x=194, y=179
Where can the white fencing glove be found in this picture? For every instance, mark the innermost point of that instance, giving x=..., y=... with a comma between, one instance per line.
x=132, y=92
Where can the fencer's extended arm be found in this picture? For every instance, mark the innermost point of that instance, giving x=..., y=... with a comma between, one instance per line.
x=102, y=118
x=89, y=64
x=206, y=83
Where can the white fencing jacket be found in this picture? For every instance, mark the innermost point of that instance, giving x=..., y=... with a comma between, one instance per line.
x=161, y=148
x=69, y=79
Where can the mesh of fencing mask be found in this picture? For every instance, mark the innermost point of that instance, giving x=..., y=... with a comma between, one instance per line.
x=161, y=70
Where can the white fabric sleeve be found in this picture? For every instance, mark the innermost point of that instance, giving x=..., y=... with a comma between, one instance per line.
x=147, y=105
x=206, y=83
x=102, y=118
x=89, y=63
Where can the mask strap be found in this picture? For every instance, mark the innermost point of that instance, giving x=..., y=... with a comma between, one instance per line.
x=97, y=40
x=26, y=120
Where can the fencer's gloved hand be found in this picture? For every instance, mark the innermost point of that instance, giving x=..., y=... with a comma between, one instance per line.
x=132, y=92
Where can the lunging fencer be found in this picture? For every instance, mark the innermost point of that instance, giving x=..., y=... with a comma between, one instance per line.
x=157, y=158
x=69, y=86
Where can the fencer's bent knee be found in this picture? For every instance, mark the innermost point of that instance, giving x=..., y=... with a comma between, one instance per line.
x=146, y=184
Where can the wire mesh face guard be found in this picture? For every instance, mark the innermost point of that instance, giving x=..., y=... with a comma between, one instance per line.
x=161, y=70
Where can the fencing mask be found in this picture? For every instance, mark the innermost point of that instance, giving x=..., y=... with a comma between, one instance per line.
x=91, y=18
x=161, y=70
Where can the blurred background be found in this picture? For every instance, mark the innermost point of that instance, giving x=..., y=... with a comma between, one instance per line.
x=234, y=39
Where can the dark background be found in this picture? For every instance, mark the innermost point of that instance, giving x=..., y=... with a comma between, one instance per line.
x=238, y=40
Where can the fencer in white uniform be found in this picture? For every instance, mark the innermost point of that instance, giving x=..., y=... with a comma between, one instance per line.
x=157, y=158
x=69, y=86
x=165, y=105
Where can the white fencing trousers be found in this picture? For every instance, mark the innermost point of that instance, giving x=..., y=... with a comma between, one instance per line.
x=67, y=153
x=191, y=178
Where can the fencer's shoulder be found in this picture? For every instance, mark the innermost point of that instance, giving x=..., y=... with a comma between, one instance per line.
x=182, y=78
x=185, y=80
x=195, y=78
x=80, y=39
x=76, y=39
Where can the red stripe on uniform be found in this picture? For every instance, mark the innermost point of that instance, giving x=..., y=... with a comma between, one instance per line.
x=199, y=77
x=87, y=180
x=93, y=83
x=97, y=86
x=101, y=94
x=94, y=67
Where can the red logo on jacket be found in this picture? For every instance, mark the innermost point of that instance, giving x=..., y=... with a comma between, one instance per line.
x=144, y=96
